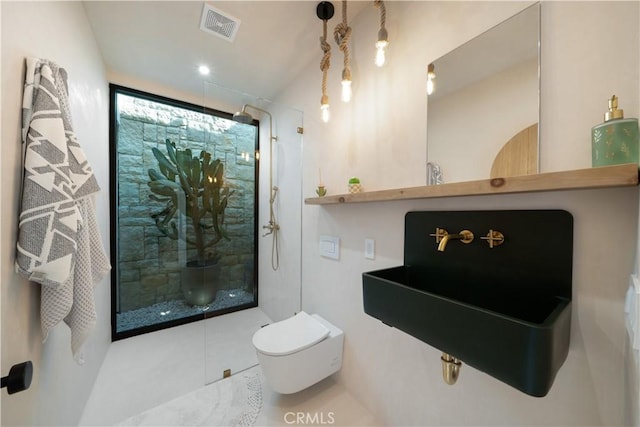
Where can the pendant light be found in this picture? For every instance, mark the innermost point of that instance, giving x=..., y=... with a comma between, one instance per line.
x=324, y=11
x=342, y=35
x=383, y=38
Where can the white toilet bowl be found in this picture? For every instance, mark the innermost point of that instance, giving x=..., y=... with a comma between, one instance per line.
x=298, y=352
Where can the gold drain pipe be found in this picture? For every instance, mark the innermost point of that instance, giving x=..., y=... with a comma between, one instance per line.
x=450, y=368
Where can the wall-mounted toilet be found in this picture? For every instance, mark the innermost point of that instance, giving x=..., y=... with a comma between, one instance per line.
x=297, y=352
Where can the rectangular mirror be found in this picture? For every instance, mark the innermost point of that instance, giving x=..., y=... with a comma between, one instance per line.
x=483, y=110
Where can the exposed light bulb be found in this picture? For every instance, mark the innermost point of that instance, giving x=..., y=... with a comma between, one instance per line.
x=326, y=115
x=430, y=86
x=324, y=108
x=204, y=70
x=381, y=45
x=431, y=77
x=346, y=90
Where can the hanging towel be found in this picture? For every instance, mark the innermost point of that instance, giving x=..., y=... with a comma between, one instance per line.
x=59, y=244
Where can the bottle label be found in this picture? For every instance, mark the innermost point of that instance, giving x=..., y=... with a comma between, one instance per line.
x=615, y=143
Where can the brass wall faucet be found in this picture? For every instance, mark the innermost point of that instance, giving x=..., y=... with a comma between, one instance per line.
x=465, y=236
x=494, y=238
x=439, y=234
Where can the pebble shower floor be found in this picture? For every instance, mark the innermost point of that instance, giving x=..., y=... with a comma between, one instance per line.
x=177, y=309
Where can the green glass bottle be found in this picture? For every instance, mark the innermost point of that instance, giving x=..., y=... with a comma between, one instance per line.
x=615, y=141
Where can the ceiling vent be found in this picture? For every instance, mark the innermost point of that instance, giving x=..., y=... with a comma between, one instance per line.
x=219, y=23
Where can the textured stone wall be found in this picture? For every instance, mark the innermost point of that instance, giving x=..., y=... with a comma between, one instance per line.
x=149, y=262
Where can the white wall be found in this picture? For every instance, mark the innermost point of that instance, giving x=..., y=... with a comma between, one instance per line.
x=380, y=138
x=60, y=32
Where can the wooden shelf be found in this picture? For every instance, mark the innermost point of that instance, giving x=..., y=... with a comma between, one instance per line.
x=602, y=177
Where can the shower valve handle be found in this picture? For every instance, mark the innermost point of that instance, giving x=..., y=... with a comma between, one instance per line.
x=272, y=226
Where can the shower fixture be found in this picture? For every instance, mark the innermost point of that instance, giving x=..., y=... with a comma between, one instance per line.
x=243, y=116
x=272, y=226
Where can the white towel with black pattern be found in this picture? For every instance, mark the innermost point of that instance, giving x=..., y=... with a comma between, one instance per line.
x=59, y=244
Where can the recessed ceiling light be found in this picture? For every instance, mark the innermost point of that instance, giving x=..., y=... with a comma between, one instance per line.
x=204, y=70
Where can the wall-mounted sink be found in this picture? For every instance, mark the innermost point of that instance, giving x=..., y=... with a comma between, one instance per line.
x=518, y=340
x=504, y=310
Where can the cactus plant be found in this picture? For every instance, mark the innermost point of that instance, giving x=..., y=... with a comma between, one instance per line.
x=200, y=181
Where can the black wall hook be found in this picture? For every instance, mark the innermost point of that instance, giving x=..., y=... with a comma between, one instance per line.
x=19, y=378
x=325, y=10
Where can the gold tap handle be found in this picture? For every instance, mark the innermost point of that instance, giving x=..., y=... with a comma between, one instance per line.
x=495, y=238
x=467, y=236
x=439, y=234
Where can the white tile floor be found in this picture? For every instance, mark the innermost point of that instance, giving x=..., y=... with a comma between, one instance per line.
x=159, y=379
x=224, y=403
x=234, y=401
x=325, y=403
x=145, y=371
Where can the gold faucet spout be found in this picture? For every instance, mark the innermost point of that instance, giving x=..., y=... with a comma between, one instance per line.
x=465, y=236
x=445, y=240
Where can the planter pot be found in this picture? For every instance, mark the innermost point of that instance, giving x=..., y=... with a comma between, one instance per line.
x=200, y=283
x=355, y=188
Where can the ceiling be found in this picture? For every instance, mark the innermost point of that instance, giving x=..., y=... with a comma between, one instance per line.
x=161, y=42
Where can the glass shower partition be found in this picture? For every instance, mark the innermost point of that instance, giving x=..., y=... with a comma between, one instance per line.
x=260, y=253
x=154, y=143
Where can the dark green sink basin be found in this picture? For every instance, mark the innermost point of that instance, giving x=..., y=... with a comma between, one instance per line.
x=505, y=311
x=519, y=340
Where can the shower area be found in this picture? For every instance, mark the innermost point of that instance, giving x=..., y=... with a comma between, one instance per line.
x=186, y=180
x=206, y=241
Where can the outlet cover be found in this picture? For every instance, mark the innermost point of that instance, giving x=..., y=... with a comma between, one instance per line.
x=369, y=248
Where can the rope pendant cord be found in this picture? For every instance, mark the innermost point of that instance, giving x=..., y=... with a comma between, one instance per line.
x=325, y=62
x=342, y=35
x=383, y=12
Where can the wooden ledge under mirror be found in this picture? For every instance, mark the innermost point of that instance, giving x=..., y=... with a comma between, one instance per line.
x=601, y=177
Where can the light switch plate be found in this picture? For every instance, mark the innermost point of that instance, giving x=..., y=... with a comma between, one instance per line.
x=330, y=247
x=369, y=248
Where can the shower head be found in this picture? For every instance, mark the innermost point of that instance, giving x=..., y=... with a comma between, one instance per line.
x=243, y=116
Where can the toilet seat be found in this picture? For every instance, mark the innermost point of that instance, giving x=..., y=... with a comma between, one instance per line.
x=290, y=336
